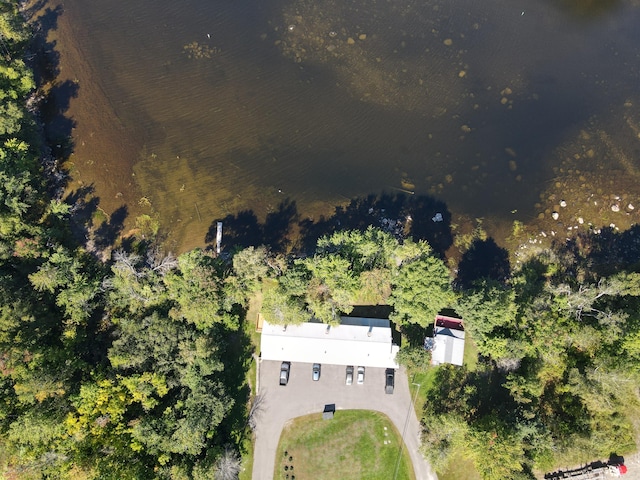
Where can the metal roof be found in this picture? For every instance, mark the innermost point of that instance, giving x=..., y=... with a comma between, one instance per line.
x=356, y=341
x=448, y=346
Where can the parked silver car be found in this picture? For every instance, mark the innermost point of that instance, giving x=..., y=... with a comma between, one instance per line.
x=316, y=372
x=349, y=379
x=360, y=375
x=284, y=373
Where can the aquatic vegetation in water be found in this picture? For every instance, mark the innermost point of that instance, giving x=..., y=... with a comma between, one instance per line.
x=517, y=228
x=197, y=51
x=144, y=202
x=376, y=63
x=463, y=239
x=147, y=225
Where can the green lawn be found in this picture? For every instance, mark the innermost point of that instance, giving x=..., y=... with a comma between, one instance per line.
x=255, y=303
x=459, y=468
x=349, y=446
x=470, y=358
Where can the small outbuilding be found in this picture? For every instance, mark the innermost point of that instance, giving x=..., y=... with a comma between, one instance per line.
x=448, y=341
x=359, y=341
x=329, y=411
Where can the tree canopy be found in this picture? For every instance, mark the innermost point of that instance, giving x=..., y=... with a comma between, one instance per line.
x=361, y=267
x=134, y=367
x=557, y=381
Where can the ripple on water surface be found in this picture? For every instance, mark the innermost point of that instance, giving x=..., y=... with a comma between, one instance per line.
x=245, y=104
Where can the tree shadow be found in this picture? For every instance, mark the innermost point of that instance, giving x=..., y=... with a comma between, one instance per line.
x=415, y=333
x=419, y=217
x=83, y=207
x=57, y=126
x=237, y=351
x=471, y=394
x=534, y=271
x=595, y=469
x=48, y=20
x=371, y=311
x=43, y=20
x=108, y=232
x=615, y=459
x=244, y=230
x=484, y=260
x=240, y=230
x=277, y=226
x=423, y=227
x=54, y=94
x=593, y=254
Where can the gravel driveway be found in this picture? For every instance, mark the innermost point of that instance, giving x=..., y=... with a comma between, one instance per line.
x=303, y=396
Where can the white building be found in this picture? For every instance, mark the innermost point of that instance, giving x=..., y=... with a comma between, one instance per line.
x=356, y=341
x=448, y=341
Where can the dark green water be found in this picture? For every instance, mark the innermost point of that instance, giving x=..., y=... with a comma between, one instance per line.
x=490, y=106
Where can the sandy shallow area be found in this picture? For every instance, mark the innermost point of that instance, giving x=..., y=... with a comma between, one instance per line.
x=104, y=150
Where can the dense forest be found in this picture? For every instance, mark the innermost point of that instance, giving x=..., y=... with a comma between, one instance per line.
x=558, y=338
x=136, y=367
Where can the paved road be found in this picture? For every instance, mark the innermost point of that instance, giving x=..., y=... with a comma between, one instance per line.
x=633, y=466
x=303, y=396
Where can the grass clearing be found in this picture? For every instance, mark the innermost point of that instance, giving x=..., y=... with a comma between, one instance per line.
x=459, y=468
x=470, y=358
x=255, y=303
x=349, y=446
x=424, y=378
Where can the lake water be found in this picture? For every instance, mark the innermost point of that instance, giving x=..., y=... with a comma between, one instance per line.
x=499, y=108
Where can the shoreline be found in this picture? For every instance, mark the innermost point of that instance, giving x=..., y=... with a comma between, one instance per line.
x=80, y=111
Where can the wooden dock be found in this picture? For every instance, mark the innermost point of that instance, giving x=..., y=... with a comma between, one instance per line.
x=218, y=237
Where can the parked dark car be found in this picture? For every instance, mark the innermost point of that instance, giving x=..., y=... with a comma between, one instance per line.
x=316, y=372
x=284, y=373
x=389, y=380
x=349, y=379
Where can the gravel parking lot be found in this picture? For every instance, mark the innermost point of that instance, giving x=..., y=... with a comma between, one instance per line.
x=303, y=396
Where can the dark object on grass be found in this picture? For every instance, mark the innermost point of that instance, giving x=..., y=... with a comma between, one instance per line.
x=329, y=411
